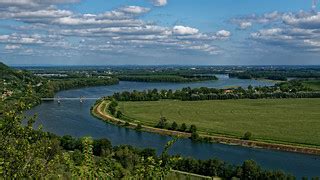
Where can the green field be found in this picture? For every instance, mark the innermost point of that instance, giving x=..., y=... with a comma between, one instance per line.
x=313, y=84
x=282, y=120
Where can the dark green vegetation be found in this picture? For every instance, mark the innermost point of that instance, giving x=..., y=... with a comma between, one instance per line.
x=166, y=78
x=14, y=84
x=290, y=89
x=277, y=73
x=284, y=120
x=312, y=84
x=166, y=74
x=26, y=153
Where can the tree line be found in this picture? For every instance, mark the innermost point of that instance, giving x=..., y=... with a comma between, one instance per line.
x=166, y=78
x=278, y=74
x=50, y=87
x=291, y=89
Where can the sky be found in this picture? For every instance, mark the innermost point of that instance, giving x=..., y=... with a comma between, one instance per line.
x=159, y=32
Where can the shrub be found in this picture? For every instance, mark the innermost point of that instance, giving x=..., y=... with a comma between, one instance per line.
x=193, y=128
x=139, y=126
x=247, y=136
x=194, y=136
x=119, y=114
x=183, y=127
x=162, y=123
x=174, y=126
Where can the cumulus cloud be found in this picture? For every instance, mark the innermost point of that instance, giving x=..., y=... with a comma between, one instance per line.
x=303, y=20
x=159, y=2
x=289, y=30
x=184, y=30
x=53, y=30
x=223, y=34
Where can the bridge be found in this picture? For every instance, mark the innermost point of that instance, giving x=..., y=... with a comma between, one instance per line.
x=81, y=99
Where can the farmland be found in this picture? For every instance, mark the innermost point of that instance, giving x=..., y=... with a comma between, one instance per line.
x=283, y=120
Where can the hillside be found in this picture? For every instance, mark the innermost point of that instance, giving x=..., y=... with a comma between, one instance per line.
x=16, y=84
x=23, y=85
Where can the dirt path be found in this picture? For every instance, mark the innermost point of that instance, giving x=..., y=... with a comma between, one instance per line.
x=99, y=111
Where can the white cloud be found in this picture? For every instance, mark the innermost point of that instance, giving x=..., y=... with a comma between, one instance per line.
x=21, y=39
x=247, y=21
x=159, y=2
x=303, y=20
x=245, y=25
x=37, y=15
x=30, y=4
x=63, y=32
x=184, y=30
x=135, y=9
x=223, y=34
x=289, y=38
x=12, y=47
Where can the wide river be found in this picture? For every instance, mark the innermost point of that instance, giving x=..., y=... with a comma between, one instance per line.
x=74, y=118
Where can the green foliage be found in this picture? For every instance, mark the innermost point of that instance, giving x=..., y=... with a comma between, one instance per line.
x=277, y=74
x=183, y=127
x=112, y=107
x=250, y=170
x=26, y=152
x=162, y=123
x=174, y=126
x=193, y=128
x=119, y=114
x=139, y=126
x=166, y=78
x=290, y=89
x=247, y=135
x=102, y=147
x=195, y=136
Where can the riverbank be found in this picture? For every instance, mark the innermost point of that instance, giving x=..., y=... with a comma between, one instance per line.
x=99, y=111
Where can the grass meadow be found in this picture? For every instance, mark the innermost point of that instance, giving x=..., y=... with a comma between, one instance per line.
x=282, y=120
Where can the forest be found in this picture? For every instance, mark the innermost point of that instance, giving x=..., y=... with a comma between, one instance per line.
x=290, y=89
x=277, y=74
x=166, y=78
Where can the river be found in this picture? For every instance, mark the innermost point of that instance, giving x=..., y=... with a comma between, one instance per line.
x=74, y=118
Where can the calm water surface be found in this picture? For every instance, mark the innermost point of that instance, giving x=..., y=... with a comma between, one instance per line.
x=73, y=118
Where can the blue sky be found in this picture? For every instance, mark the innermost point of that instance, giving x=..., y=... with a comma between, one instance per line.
x=147, y=32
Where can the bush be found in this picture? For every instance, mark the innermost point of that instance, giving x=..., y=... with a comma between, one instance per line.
x=119, y=114
x=162, y=123
x=139, y=126
x=194, y=136
x=247, y=136
x=183, y=127
x=174, y=126
x=193, y=128
x=126, y=124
